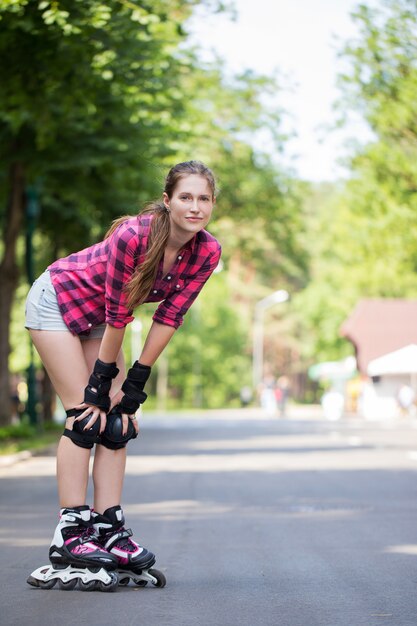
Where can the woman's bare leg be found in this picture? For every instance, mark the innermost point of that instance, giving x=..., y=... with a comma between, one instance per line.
x=109, y=465
x=63, y=357
x=108, y=476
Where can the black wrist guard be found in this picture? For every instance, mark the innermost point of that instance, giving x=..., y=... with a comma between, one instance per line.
x=98, y=388
x=133, y=388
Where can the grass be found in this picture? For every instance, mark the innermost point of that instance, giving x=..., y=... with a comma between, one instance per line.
x=23, y=436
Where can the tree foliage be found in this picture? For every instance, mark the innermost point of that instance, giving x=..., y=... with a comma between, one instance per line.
x=98, y=98
x=89, y=101
x=207, y=359
x=368, y=228
x=85, y=87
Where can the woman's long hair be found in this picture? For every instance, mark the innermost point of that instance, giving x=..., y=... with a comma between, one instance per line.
x=143, y=279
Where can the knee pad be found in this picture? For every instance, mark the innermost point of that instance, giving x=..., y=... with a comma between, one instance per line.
x=113, y=437
x=79, y=436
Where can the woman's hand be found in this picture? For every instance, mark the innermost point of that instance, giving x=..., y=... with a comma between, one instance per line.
x=134, y=421
x=94, y=412
x=115, y=400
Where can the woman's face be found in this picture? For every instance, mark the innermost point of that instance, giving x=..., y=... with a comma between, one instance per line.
x=190, y=206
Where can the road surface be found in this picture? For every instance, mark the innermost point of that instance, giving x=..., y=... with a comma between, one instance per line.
x=254, y=520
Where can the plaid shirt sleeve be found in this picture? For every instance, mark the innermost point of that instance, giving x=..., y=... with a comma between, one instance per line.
x=122, y=253
x=172, y=310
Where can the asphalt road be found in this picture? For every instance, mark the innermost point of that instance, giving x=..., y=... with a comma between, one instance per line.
x=255, y=521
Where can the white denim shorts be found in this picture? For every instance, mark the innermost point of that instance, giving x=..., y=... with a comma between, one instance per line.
x=42, y=310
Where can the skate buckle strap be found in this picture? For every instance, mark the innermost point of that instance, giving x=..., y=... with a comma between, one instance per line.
x=125, y=533
x=89, y=535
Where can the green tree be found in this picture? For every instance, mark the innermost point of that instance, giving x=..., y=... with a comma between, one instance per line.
x=259, y=214
x=111, y=93
x=89, y=97
x=207, y=360
x=367, y=247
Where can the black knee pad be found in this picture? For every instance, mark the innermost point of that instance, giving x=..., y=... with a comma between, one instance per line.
x=79, y=436
x=113, y=437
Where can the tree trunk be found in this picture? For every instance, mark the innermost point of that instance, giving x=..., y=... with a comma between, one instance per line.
x=9, y=275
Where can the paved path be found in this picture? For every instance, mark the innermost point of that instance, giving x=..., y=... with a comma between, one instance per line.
x=255, y=521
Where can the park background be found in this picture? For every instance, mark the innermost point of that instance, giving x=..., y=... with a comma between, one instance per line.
x=99, y=99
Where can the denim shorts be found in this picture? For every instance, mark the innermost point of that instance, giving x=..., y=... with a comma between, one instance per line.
x=42, y=310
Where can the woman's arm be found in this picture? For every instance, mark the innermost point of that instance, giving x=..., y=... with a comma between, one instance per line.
x=111, y=344
x=109, y=349
x=156, y=341
x=158, y=338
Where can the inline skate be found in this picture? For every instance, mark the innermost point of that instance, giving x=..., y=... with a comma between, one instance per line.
x=76, y=556
x=134, y=562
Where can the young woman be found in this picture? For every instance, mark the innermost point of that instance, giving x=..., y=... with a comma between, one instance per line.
x=77, y=312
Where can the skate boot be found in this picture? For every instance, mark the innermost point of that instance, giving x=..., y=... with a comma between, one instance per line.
x=76, y=556
x=134, y=561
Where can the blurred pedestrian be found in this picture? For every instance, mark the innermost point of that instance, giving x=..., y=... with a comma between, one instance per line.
x=267, y=395
x=406, y=400
x=282, y=394
x=332, y=403
x=245, y=395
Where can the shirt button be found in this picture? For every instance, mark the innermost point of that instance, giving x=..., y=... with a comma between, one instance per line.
x=179, y=258
x=169, y=277
x=90, y=325
x=155, y=291
x=178, y=286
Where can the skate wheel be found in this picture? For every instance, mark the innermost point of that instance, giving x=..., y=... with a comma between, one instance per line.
x=41, y=584
x=140, y=583
x=68, y=585
x=89, y=586
x=112, y=585
x=161, y=581
x=48, y=584
x=123, y=582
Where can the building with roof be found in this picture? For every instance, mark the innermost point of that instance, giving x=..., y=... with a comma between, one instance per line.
x=384, y=334
x=379, y=326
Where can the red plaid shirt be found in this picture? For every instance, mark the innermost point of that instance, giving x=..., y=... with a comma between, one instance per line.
x=89, y=284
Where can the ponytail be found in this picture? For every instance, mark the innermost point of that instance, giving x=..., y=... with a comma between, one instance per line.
x=143, y=279
x=115, y=224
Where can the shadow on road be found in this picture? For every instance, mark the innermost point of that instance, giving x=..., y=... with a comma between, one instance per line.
x=253, y=523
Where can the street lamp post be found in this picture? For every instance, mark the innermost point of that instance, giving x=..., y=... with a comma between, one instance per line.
x=276, y=297
x=32, y=213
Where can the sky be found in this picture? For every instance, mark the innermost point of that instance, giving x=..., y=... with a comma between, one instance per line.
x=301, y=39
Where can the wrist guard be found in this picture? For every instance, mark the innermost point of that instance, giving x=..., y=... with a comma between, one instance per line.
x=99, y=384
x=133, y=388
